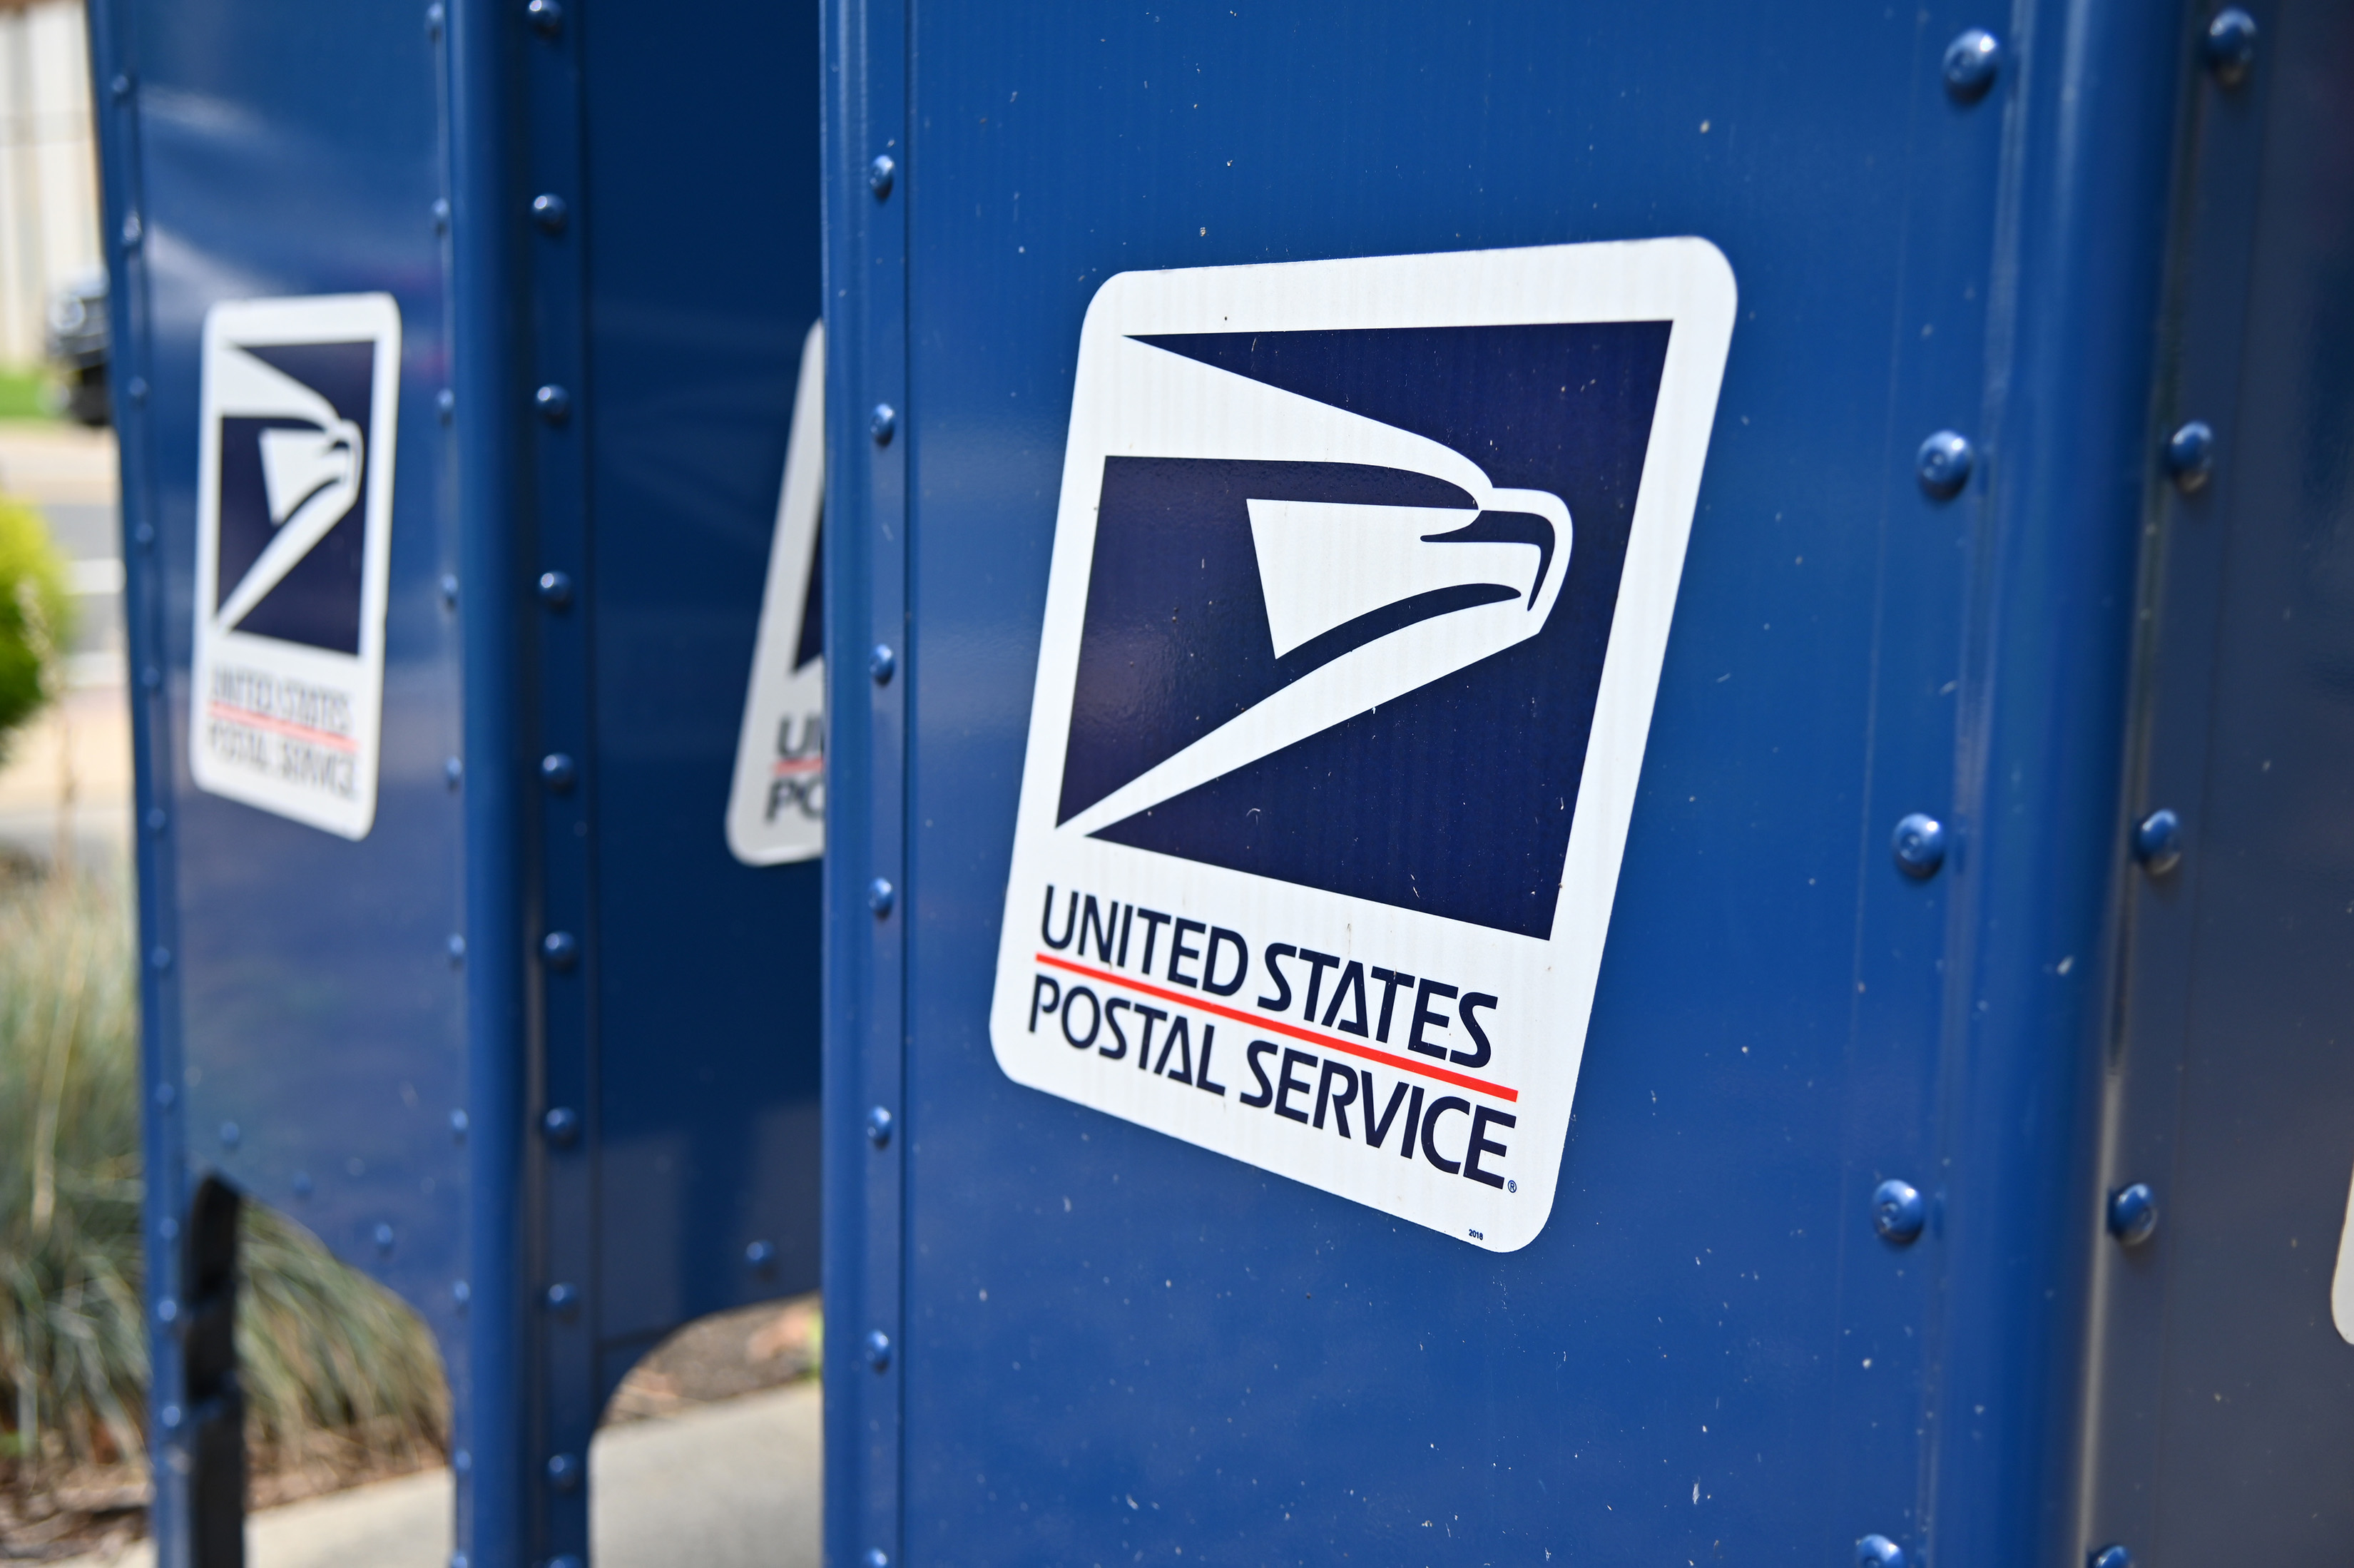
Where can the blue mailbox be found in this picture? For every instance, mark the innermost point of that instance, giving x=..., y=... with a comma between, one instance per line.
x=467, y=392
x=1595, y=815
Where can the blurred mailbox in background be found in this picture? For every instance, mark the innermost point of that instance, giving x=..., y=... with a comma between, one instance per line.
x=461, y=352
x=1612, y=825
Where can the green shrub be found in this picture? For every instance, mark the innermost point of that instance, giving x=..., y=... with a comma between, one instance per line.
x=335, y=1370
x=36, y=616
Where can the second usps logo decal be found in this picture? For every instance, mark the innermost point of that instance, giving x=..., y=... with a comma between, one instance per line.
x=1361, y=579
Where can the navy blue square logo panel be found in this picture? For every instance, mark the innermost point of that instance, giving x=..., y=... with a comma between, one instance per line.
x=1457, y=798
x=1356, y=560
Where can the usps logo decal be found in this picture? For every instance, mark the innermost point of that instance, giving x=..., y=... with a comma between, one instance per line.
x=294, y=541
x=775, y=802
x=1361, y=580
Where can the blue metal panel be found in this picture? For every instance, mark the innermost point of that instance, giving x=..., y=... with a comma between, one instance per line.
x=1105, y=1344
x=2224, y=1416
x=371, y=1033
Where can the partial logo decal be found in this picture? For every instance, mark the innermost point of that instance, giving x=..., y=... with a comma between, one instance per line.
x=293, y=541
x=1362, y=582
x=775, y=807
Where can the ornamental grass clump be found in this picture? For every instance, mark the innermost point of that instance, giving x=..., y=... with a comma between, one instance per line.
x=341, y=1380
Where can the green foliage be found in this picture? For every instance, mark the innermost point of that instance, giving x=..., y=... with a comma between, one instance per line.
x=333, y=1367
x=36, y=616
x=26, y=394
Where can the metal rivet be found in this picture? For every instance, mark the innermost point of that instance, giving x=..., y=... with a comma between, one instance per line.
x=157, y=819
x=445, y=404
x=138, y=390
x=881, y=174
x=232, y=1134
x=461, y=1293
x=882, y=423
x=119, y=86
x=453, y=771
x=441, y=215
x=562, y=949
x=1945, y=462
x=151, y=677
x=383, y=1239
x=456, y=948
x=2190, y=456
x=553, y=403
x=2158, y=842
x=555, y=588
x=434, y=16
x=878, y=1350
x=167, y=1310
x=167, y=1096
x=2230, y=46
x=1879, y=1552
x=449, y=591
x=555, y=771
x=1972, y=62
x=2133, y=1214
x=880, y=896
x=567, y=1561
x=146, y=533
x=547, y=17
x=304, y=1186
x=171, y=1415
x=877, y=1558
x=1919, y=844
x=563, y=1470
x=459, y=1123
x=563, y=1299
x=878, y=1127
x=562, y=1125
x=760, y=1256
x=880, y=663
x=1897, y=1211
x=2111, y=1557
x=133, y=231
x=549, y=211
x=159, y=958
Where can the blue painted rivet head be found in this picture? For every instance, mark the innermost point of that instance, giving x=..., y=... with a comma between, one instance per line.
x=456, y=948
x=881, y=895
x=304, y=1185
x=877, y=1558
x=2230, y=46
x=384, y=1238
x=1919, y=844
x=1945, y=462
x=878, y=1126
x=232, y=1134
x=880, y=663
x=441, y=215
x=556, y=589
x=549, y=211
x=445, y=404
x=434, y=17
x=563, y=1299
x=2190, y=456
x=2158, y=842
x=1879, y=1552
x=453, y=771
x=882, y=423
x=562, y=1125
x=564, y=1471
x=557, y=771
x=881, y=176
x=553, y=403
x=546, y=18
x=2133, y=1214
x=167, y=1310
x=878, y=1350
x=760, y=1256
x=562, y=949
x=459, y=1123
x=1972, y=62
x=157, y=819
x=1898, y=1211
x=2111, y=1557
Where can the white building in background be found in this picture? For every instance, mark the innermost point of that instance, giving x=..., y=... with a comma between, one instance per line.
x=48, y=167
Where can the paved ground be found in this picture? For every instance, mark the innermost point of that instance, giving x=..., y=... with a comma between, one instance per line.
x=732, y=1485
x=66, y=779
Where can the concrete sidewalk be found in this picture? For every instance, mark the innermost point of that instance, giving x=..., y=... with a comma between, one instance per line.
x=732, y=1485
